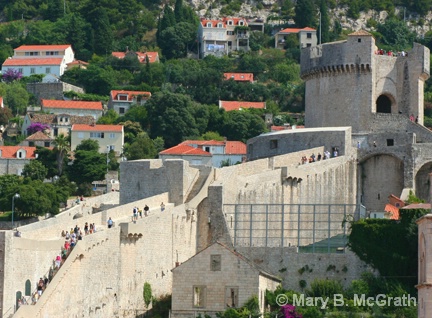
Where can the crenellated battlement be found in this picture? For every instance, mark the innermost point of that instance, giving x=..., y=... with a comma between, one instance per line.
x=333, y=70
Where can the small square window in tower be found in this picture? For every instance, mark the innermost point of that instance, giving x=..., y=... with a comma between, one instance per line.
x=359, y=40
x=273, y=144
x=215, y=262
x=390, y=142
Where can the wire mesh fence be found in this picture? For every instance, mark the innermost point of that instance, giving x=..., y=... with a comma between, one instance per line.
x=312, y=228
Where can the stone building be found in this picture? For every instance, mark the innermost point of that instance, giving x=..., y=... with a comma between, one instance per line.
x=425, y=266
x=215, y=279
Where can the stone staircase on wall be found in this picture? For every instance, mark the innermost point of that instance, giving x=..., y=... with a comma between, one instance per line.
x=204, y=173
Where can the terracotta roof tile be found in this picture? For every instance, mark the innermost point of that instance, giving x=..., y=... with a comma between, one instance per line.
x=235, y=148
x=185, y=150
x=10, y=152
x=71, y=104
x=152, y=56
x=49, y=119
x=393, y=211
x=33, y=61
x=42, y=118
x=203, y=143
x=38, y=136
x=360, y=33
x=131, y=94
x=42, y=47
x=224, y=21
x=426, y=206
x=235, y=105
x=78, y=62
x=239, y=77
x=295, y=30
x=114, y=128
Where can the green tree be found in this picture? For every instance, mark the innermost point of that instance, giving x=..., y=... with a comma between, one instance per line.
x=88, y=145
x=142, y=148
x=17, y=98
x=35, y=170
x=325, y=22
x=88, y=166
x=147, y=294
x=305, y=13
x=168, y=20
x=175, y=41
x=61, y=148
x=102, y=35
x=396, y=35
x=49, y=159
x=108, y=118
x=211, y=135
x=5, y=115
x=242, y=125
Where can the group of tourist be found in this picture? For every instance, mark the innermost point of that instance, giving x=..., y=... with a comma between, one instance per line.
x=391, y=53
x=136, y=211
x=319, y=157
x=414, y=119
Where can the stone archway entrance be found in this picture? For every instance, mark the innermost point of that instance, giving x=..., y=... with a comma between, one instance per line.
x=383, y=104
x=422, y=184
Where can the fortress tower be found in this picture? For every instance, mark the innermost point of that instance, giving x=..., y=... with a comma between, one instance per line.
x=347, y=82
x=425, y=267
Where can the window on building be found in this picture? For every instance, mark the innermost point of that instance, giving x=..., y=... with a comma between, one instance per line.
x=122, y=97
x=48, y=70
x=359, y=40
x=32, y=70
x=308, y=45
x=220, y=25
x=111, y=147
x=230, y=43
x=230, y=22
x=230, y=32
x=81, y=135
x=273, y=144
x=121, y=110
x=241, y=22
x=199, y=293
x=112, y=135
x=231, y=297
x=20, y=154
x=21, y=70
x=55, y=132
x=46, y=144
x=31, y=53
x=215, y=262
x=309, y=35
x=209, y=25
x=207, y=149
x=31, y=143
x=97, y=135
x=390, y=142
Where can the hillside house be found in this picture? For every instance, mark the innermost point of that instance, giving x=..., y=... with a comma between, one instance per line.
x=70, y=107
x=38, y=139
x=58, y=124
x=219, y=37
x=40, y=59
x=110, y=137
x=215, y=279
x=153, y=57
x=207, y=152
x=307, y=37
x=121, y=101
x=239, y=77
x=14, y=158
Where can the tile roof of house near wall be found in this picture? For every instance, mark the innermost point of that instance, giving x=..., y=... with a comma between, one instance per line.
x=239, y=77
x=42, y=118
x=32, y=61
x=152, y=56
x=426, y=206
x=49, y=119
x=9, y=152
x=130, y=94
x=203, y=142
x=224, y=22
x=235, y=148
x=71, y=104
x=393, y=211
x=38, y=136
x=185, y=150
x=42, y=47
x=104, y=128
x=235, y=105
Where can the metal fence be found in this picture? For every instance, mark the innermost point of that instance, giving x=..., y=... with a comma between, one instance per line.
x=312, y=228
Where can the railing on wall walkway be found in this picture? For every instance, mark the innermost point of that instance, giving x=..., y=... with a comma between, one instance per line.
x=311, y=228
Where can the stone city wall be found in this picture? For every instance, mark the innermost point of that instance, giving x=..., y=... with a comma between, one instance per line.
x=106, y=274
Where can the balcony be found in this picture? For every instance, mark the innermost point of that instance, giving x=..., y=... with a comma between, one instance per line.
x=242, y=36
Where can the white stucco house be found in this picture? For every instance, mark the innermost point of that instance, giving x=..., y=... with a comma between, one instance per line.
x=306, y=36
x=110, y=137
x=121, y=101
x=40, y=59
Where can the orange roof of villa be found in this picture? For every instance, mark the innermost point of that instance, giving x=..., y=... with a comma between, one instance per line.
x=295, y=30
x=239, y=77
x=71, y=104
x=235, y=148
x=393, y=211
x=203, y=142
x=42, y=47
x=152, y=56
x=82, y=127
x=185, y=150
x=32, y=61
x=224, y=22
x=236, y=105
x=10, y=152
x=130, y=94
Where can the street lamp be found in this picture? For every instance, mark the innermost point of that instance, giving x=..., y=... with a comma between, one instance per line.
x=16, y=196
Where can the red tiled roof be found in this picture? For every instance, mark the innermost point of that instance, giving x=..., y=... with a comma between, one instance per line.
x=360, y=33
x=203, y=142
x=152, y=56
x=426, y=206
x=78, y=62
x=277, y=128
x=240, y=77
x=235, y=148
x=224, y=22
x=81, y=127
x=42, y=47
x=235, y=105
x=130, y=94
x=1, y=101
x=393, y=211
x=38, y=136
x=185, y=150
x=32, y=61
x=295, y=30
x=10, y=152
x=71, y=104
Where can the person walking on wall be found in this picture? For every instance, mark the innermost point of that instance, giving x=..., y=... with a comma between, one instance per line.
x=162, y=207
x=110, y=223
x=146, y=210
